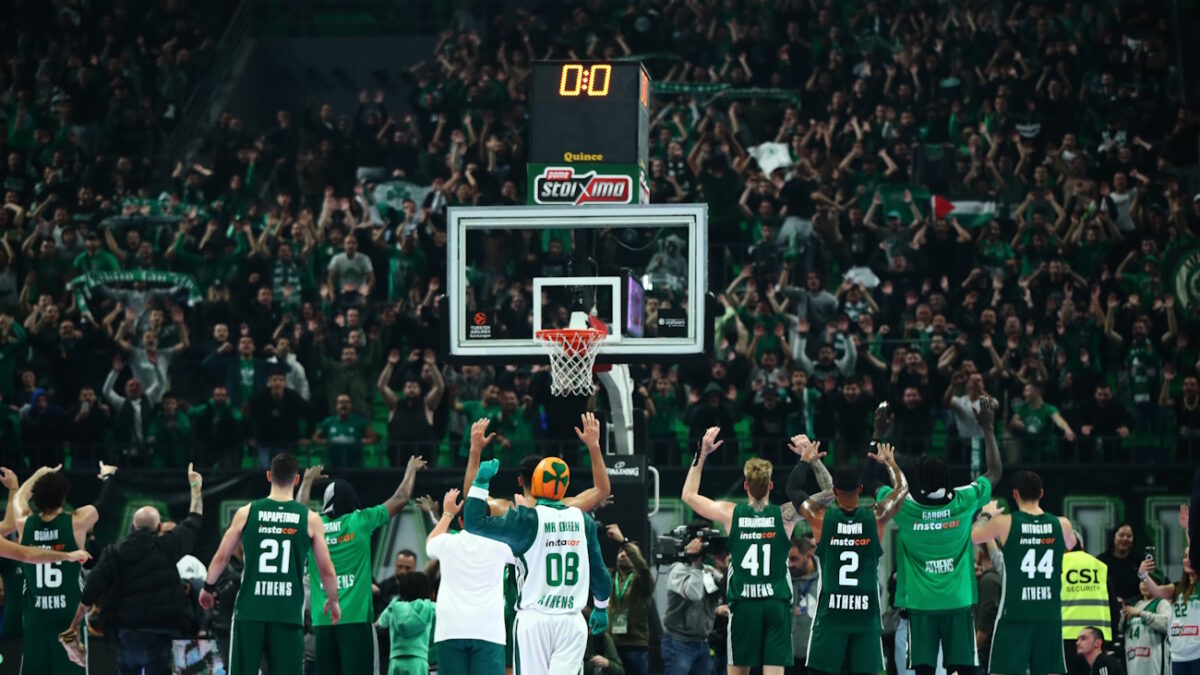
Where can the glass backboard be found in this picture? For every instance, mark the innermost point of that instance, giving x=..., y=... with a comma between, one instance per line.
x=641, y=269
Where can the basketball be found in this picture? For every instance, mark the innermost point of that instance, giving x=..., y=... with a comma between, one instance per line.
x=550, y=479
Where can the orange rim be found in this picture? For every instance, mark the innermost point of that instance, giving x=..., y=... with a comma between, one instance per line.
x=573, y=340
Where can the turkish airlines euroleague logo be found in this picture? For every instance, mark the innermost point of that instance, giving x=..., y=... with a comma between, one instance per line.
x=562, y=186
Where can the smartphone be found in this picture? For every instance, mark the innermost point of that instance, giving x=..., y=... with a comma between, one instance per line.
x=1149, y=553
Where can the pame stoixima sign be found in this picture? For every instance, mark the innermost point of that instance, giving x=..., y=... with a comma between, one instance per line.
x=562, y=185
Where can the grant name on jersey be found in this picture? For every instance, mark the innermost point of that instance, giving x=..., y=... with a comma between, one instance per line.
x=333, y=527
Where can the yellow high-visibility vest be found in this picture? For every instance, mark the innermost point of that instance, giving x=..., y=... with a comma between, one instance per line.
x=1084, y=595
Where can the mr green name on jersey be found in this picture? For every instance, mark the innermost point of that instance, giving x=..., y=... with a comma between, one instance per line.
x=561, y=526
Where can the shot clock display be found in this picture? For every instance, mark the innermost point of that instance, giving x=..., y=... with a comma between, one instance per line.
x=589, y=111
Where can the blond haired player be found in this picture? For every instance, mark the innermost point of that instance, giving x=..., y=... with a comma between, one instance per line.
x=760, y=590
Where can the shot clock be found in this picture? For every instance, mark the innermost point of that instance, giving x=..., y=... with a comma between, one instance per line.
x=594, y=112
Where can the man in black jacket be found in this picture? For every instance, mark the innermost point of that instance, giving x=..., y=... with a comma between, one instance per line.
x=140, y=572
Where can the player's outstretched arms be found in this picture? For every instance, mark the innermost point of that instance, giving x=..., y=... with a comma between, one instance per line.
x=591, y=498
x=1068, y=532
x=37, y=556
x=517, y=527
x=887, y=508
x=718, y=512
x=229, y=544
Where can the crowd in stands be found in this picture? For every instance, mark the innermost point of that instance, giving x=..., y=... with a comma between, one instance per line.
x=257, y=296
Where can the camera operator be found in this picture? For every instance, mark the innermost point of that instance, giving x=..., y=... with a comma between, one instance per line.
x=693, y=593
x=140, y=573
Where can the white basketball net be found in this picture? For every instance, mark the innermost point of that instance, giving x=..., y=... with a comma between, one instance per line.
x=572, y=357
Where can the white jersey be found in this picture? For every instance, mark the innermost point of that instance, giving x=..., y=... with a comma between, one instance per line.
x=470, y=601
x=553, y=576
x=1185, y=628
x=1146, y=637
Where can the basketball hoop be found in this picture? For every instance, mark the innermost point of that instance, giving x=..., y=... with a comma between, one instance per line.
x=572, y=355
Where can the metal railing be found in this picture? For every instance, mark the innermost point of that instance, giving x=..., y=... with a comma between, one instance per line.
x=194, y=113
x=1157, y=450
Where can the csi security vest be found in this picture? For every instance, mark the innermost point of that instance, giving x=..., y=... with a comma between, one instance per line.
x=1084, y=595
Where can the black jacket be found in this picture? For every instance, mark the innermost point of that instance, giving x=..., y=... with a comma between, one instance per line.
x=139, y=571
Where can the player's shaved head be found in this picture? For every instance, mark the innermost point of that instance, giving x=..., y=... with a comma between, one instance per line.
x=1028, y=486
x=146, y=519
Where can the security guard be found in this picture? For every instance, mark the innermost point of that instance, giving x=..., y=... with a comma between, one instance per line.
x=1084, y=601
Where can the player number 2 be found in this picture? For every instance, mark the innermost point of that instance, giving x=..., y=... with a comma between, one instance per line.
x=750, y=560
x=849, y=566
x=49, y=575
x=562, y=569
x=270, y=553
x=1045, y=565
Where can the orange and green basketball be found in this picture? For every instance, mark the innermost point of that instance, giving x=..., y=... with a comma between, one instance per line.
x=550, y=479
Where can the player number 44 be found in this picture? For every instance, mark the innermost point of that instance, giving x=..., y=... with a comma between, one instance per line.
x=1045, y=565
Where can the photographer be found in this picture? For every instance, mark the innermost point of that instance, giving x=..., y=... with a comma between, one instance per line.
x=693, y=593
x=633, y=588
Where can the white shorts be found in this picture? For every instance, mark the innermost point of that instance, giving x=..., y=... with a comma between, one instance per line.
x=549, y=644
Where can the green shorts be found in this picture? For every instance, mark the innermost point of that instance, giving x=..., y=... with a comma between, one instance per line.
x=836, y=652
x=41, y=653
x=281, y=643
x=760, y=633
x=1033, y=646
x=471, y=657
x=346, y=648
x=953, y=629
x=408, y=665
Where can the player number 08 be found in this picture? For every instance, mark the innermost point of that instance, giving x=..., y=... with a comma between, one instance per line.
x=562, y=569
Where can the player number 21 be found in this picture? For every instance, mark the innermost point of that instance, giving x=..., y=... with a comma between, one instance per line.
x=270, y=553
x=1045, y=565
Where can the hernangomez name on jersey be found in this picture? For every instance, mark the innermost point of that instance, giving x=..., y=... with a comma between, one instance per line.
x=553, y=576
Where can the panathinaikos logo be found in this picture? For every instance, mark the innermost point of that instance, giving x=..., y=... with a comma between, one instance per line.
x=1187, y=281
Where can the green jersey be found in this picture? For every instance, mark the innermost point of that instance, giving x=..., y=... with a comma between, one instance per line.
x=349, y=541
x=936, y=567
x=1033, y=568
x=849, y=552
x=276, y=545
x=52, y=590
x=345, y=433
x=758, y=550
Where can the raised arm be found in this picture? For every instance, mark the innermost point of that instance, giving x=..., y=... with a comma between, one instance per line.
x=991, y=525
x=450, y=508
x=601, y=488
x=517, y=527
x=716, y=511
x=886, y=509
x=403, y=493
x=479, y=440
x=311, y=475
x=986, y=417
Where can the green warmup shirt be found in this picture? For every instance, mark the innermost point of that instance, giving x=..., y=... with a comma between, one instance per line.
x=52, y=590
x=936, y=567
x=758, y=551
x=276, y=545
x=1033, y=556
x=849, y=552
x=349, y=541
x=345, y=433
x=409, y=626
